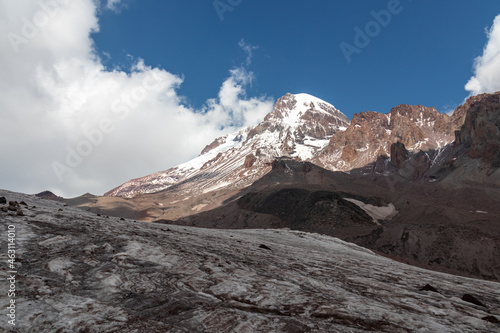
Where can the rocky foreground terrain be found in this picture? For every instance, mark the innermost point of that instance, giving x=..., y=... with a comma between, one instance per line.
x=79, y=272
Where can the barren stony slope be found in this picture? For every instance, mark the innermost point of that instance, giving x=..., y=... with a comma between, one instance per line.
x=78, y=272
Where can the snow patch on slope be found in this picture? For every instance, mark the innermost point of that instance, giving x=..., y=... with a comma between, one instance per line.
x=376, y=212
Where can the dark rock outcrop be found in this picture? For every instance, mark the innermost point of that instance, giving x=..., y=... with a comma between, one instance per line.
x=481, y=130
x=249, y=161
x=399, y=154
x=491, y=319
x=216, y=143
x=428, y=287
x=471, y=299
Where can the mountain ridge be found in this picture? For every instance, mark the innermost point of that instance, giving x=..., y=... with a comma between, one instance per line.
x=306, y=128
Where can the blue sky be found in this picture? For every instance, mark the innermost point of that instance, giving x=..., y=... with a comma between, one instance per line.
x=97, y=92
x=423, y=56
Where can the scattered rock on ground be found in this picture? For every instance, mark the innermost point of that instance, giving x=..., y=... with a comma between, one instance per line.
x=265, y=247
x=471, y=299
x=428, y=287
x=491, y=319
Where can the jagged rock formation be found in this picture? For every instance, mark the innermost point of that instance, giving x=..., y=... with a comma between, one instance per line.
x=371, y=135
x=474, y=156
x=481, y=129
x=460, y=112
x=78, y=272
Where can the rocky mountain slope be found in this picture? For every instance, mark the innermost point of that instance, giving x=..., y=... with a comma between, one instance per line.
x=371, y=135
x=473, y=158
x=78, y=272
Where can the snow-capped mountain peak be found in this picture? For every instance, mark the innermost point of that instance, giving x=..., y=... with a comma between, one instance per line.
x=300, y=110
x=300, y=126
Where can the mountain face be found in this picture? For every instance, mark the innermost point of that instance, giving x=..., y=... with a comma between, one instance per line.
x=79, y=272
x=474, y=155
x=371, y=135
x=481, y=129
x=300, y=126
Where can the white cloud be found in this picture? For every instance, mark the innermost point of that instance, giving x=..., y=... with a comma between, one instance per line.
x=486, y=77
x=72, y=126
x=114, y=5
x=248, y=48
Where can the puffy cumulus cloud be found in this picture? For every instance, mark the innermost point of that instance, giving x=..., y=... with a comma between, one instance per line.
x=486, y=77
x=72, y=126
